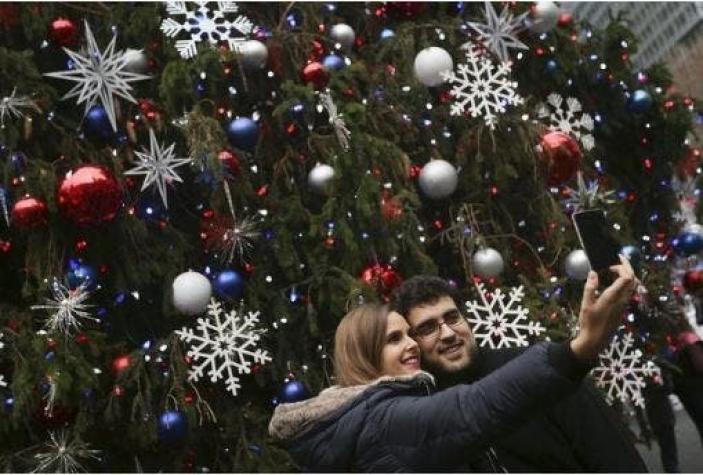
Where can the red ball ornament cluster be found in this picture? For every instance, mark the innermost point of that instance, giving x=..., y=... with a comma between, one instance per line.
x=560, y=155
x=382, y=277
x=89, y=195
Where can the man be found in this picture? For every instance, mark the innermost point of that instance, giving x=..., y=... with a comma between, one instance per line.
x=580, y=434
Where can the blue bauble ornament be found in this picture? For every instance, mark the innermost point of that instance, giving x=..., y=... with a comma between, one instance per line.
x=687, y=244
x=293, y=391
x=333, y=62
x=97, y=125
x=243, y=133
x=551, y=65
x=633, y=254
x=80, y=273
x=229, y=284
x=172, y=427
x=640, y=101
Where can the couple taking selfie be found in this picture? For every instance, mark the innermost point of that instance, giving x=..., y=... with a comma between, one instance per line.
x=470, y=410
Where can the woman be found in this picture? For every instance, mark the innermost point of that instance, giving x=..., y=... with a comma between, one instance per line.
x=383, y=417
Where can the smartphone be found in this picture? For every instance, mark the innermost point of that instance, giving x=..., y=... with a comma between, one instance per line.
x=596, y=239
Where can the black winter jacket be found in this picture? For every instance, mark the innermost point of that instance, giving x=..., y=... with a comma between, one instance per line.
x=398, y=425
x=580, y=433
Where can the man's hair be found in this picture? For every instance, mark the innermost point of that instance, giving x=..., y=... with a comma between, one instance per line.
x=358, y=344
x=421, y=290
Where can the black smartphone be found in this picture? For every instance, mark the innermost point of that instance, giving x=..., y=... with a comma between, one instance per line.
x=596, y=239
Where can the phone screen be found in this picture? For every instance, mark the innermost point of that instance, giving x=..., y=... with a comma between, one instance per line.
x=594, y=233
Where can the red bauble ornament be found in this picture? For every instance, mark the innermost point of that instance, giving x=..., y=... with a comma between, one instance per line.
x=561, y=156
x=28, y=213
x=63, y=32
x=121, y=363
x=89, y=195
x=406, y=10
x=230, y=161
x=693, y=280
x=316, y=74
x=383, y=277
x=565, y=19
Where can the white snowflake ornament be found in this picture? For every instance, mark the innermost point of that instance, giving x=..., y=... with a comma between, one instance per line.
x=158, y=166
x=498, y=33
x=100, y=75
x=205, y=24
x=569, y=119
x=481, y=88
x=222, y=344
x=621, y=371
x=12, y=105
x=499, y=321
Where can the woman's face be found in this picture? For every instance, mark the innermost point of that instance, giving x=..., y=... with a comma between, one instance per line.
x=400, y=354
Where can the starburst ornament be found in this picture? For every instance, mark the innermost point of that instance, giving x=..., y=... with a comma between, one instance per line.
x=206, y=24
x=11, y=106
x=158, y=166
x=224, y=343
x=67, y=308
x=481, y=88
x=63, y=454
x=336, y=120
x=499, y=321
x=230, y=237
x=621, y=371
x=100, y=75
x=498, y=33
x=588, y=195
x=570, y=119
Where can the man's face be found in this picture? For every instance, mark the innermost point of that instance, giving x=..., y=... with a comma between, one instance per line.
x=449, y=349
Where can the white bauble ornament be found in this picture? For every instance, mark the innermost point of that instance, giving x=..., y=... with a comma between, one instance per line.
x=544, y=18
x=191, y=293
x=253, y=54
x=487, y=263
x=343, y=34
x=430, y=62
x=136, y=61
x=438, y=179
x=320, y=177
x=577, y=265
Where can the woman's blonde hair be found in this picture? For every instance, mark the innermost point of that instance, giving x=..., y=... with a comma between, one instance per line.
x=358, y=344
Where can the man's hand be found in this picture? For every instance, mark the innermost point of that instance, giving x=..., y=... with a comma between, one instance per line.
x=601, y=315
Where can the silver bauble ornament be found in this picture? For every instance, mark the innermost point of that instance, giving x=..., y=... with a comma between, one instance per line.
x=253, y=54
x=343, y=34
x=544, y=18
x=487, y=263
x=191, y=293
x=438, y=179
x=430, y=63
x=136, y=61
x=577, y=265
x=320, y=178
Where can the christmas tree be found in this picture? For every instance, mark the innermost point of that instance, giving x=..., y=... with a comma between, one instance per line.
x=193, y=195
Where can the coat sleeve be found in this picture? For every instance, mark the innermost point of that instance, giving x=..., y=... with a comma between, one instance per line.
x=436, y=430
x=598, y=437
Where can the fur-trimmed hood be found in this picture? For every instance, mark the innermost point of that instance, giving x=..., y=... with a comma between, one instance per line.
x=291, y=421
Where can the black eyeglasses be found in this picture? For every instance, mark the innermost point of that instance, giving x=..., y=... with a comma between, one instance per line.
x=430, y=328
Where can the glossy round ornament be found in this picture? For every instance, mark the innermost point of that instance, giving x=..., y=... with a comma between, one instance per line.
x=293, y=391
x=191, y=293
x=693, y=280
x=544, y=17
x=96, y=125
x=230, y=162
x=561, y=157
x=382, y=277
x=63, y=32
x=576, y=265
x=243, y=133
x=89, y=195
x=136, y=61
x=315, y=74
x=229, y=284
x=253, y=54
x=320, y=179
x=438, y=179
x=333, y=62
x=687, y=243
x=28, y=213
x=172, y=427
x=430, y=63
x=343, y=34
x=640, y=101
x=487, y=263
